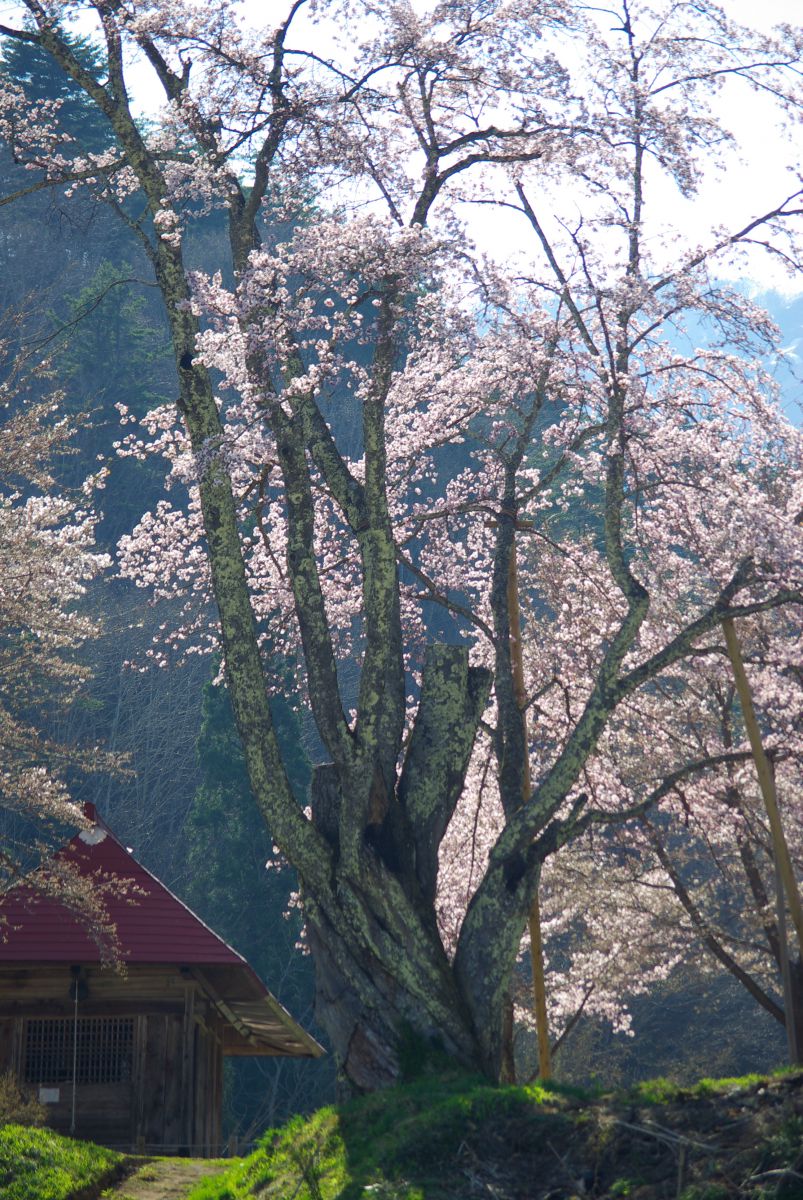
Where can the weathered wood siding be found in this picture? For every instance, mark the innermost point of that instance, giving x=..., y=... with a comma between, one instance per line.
x=45, y=991
x=171, y=1100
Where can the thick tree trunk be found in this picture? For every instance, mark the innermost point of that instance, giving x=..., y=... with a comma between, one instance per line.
x=383, y=977
x=383, y=981
x=371, y=1018
x=363, y=1040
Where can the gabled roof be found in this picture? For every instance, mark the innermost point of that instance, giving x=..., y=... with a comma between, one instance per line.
x=153, y=926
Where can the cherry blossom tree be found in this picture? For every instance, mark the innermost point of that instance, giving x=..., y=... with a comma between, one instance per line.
x=712, y=882
x=603, y=397
x=47, y=561
x=693, y=881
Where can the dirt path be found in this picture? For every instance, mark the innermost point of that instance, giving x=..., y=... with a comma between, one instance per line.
x=165, y=1179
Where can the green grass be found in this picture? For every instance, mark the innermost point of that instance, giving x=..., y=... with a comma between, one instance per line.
x=446, y=1136
x=399, y=1145
x=665, y=1091
x=37, y=1164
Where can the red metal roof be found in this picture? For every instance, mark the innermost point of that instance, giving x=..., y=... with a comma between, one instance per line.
x=153, y=925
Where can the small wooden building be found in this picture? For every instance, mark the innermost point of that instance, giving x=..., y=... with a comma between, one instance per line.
x=132, y=1060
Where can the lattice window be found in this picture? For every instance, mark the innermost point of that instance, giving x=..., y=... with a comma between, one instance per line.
x=98, y=1048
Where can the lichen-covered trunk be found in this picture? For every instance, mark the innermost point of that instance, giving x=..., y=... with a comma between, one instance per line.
x=374, y=1018
x=383, y=976
x=385, y=987
x=367, y=860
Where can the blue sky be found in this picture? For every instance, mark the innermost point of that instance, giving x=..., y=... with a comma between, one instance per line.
x=788, y=314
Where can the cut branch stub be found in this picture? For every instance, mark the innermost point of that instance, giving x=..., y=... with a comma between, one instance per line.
x=453, y=698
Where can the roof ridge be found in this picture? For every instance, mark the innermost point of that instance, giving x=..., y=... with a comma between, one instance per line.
x=98, y=820
x=157, y=927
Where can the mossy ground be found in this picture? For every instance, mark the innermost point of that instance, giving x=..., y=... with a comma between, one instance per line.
x=452, y=1138
x=37, y=1164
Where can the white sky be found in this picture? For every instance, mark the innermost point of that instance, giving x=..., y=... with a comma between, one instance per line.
x=752, y=185
x=755, y=181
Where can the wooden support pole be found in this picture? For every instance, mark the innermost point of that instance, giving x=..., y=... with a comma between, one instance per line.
x=767, y=784
x=786, y=971
x=534, y=919
x=539, y=989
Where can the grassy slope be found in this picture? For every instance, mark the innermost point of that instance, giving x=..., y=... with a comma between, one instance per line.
x=450, y=1138
x=36, y=1164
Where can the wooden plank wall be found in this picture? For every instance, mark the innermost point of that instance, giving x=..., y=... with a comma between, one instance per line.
x=173, y=1100
x=159, y=1090
x=7, y=1046
x=45, y=991
x=102, y=1112
x=208, y=1099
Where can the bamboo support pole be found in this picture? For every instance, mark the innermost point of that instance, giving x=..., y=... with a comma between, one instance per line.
x=767, y=784
x=534, y=919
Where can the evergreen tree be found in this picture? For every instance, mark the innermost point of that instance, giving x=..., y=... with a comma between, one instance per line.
x=115, y=352
x=41, y=79
x=229, y=886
